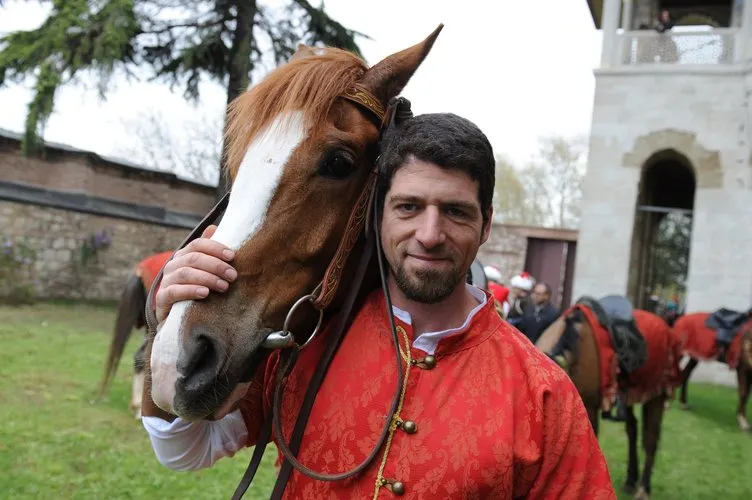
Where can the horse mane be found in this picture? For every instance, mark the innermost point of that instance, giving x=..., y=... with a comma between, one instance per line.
x=310, y=82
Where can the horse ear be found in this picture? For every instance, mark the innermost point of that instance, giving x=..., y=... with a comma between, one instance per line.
x=387, y=78
x=302, y=51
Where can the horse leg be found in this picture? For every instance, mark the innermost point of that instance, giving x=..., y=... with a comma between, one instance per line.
x=744, y=378
x=630, y=485
x=137, y=387
x=686, y=373
x=652, y=417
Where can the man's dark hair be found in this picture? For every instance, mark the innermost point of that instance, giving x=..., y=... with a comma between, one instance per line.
x=545, y=286
x=446, y=140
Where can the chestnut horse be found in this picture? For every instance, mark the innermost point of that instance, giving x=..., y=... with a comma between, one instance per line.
x=130, y=316
x=594, y=370
x=302, y=146
x=698, y=343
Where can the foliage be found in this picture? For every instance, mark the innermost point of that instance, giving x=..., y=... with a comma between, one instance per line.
x=671, y=253
x=548, y=190
x=84, y=262
x=56, y=443
x=193, y=150
x=17, y=272
x=175, y=41
x=512, y=201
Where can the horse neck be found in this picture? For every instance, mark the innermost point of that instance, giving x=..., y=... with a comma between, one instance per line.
x=585, y=371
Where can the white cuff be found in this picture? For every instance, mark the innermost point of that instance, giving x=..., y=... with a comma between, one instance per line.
x=182, y=445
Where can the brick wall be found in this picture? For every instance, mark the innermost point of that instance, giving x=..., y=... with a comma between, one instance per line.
x=76, y=173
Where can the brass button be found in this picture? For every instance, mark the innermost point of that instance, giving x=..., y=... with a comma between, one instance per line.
x=409, y=426
x=429, y=361
x=398, y=488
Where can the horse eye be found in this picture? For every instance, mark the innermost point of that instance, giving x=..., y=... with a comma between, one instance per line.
x=336, y=166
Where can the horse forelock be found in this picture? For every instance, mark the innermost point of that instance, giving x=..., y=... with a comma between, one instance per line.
x=308, y=84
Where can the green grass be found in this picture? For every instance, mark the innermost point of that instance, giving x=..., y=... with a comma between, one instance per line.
x=55, y=442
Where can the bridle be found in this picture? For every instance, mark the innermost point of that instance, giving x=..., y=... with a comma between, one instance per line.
x=365, y=210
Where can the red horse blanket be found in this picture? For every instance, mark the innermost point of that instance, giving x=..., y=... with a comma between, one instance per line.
x=148, y=268
x=608, y=361
x=699, y=341
x=661, y=371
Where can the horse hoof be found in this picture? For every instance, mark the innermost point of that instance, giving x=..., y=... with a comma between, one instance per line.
x=686, y=406
x=642, y=494
x=137, y=414
x=629, y=489
x=667, y=405
x=743, y=423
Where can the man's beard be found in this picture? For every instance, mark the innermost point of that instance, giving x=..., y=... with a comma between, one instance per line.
x=427, y=286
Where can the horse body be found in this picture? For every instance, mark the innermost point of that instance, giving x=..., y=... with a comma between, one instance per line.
x=130, y=316
x=594, y=370
x=699, y=343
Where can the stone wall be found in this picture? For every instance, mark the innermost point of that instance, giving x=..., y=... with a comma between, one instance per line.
x=505, y=249
x=701, y=113
x=57, y=236
x=56, y=200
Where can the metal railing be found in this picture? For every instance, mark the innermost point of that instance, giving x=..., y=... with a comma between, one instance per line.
x=648, y=47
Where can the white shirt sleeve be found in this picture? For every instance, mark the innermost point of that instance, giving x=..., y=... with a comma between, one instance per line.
x=183, y=446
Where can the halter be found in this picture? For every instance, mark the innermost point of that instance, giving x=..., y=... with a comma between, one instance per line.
x=321, y=297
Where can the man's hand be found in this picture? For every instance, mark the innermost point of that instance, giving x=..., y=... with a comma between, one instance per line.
x=195, y=270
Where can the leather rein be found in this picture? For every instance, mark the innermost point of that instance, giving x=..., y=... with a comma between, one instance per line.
x=358, y=224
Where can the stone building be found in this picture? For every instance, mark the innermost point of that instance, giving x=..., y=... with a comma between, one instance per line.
x=670, y=133
x=58, y=202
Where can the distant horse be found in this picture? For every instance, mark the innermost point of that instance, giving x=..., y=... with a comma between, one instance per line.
x=699, y=343
x=130, y=316
x=301, y=216
x=594, y=367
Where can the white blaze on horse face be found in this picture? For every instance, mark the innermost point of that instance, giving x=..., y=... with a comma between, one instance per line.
x=252, y=191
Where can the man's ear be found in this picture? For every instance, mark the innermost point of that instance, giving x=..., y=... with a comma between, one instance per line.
x=487, y=228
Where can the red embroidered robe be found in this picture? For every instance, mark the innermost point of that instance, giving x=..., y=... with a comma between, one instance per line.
x=495, y=417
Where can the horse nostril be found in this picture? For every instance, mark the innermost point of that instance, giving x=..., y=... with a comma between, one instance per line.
x=199, y=360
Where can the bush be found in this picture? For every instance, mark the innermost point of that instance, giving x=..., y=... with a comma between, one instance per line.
x=17, y=275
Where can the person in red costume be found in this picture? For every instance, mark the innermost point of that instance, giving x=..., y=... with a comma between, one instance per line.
x=485, y=413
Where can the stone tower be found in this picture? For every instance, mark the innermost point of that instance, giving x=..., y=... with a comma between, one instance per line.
x=670, y=133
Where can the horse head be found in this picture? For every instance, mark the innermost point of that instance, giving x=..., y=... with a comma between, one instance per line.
x=301, y=150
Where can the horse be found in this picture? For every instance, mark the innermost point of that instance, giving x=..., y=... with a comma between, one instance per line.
x=301, y=216
x=130, y=316
x=698, y=343
x=595, y=369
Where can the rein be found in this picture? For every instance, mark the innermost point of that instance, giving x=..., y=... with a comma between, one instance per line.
x=322, y=296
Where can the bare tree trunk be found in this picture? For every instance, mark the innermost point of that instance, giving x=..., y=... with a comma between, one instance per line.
x=239, y=70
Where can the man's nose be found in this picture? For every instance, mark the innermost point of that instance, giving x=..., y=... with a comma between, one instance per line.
x=430, y=231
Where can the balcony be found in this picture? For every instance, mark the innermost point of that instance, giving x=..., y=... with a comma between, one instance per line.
x=680, y=46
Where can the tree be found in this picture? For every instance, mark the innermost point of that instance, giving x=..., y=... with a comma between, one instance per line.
x=671, y=252
x=194, y=151
x=512, y=201
x=178, y=42
x=554, y=179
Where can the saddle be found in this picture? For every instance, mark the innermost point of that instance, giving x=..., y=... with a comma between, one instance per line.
x=727, y=323
x=614, y=313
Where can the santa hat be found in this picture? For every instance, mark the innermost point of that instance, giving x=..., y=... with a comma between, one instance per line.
x=492, y=274
x=523, y=281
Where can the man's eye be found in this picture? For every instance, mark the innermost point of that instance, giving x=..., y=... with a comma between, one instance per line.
x=407, y=207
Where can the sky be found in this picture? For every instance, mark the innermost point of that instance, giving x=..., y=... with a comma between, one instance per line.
x=518, y=69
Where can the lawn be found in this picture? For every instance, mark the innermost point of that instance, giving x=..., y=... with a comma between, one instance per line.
x=55, y=442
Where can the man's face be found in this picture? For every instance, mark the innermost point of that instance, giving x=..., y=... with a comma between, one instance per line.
x=432, y=228
x=540, y=296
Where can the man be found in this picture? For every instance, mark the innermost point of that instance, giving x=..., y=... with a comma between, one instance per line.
x=518, y=297
x=484, y=413
x=539, y=314
x=498, y=291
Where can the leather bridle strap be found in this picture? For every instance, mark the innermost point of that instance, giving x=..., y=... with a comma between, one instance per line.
x=211, y=217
